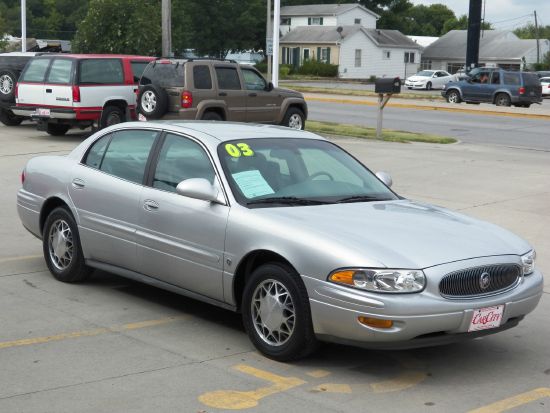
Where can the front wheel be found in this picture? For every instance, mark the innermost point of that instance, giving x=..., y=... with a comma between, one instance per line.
x=429, y=86
x=294, y=119
x=276, y=313
x=61, y=247
x=453, y=96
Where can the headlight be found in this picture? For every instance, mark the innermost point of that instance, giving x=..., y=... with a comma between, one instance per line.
x=528, y=262
x=380, y=280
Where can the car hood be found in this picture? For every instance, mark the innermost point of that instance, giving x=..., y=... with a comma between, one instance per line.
x=398, y=234
x=418, y=78
x=288, y=92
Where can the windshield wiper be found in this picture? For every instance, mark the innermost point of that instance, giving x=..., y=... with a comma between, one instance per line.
x=290, y=200
x=360, y=198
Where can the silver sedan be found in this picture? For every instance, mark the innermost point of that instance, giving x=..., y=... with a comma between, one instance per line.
x=281, y=225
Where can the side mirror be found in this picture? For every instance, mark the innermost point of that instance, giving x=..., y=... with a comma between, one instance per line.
x=200, y=188
x=385, y=178
x=269, y=87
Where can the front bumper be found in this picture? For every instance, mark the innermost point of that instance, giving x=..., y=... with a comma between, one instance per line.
x=415, y=85
x=420, y=319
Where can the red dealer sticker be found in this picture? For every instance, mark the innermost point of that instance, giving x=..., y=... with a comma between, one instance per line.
x=485, y=318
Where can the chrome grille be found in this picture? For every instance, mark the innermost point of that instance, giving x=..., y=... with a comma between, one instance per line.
x=467, y=283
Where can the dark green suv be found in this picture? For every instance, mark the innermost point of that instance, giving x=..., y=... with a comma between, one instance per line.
x=220, y=90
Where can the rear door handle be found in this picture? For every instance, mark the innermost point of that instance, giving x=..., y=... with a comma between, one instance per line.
x=252, y=95
x=223, y=94
x=48, y=90
x=150, y=205
x=78, y=183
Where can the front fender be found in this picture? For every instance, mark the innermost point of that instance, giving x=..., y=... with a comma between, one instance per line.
x=292, y=101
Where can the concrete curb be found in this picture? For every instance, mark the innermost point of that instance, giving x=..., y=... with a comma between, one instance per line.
x=479, y=111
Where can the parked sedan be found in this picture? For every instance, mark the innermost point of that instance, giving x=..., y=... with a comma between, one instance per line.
x=545, y=83
x=429, y=79
x=281, y=225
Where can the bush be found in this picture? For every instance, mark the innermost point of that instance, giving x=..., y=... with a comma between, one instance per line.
x=285, y=70
x=261, y=66
x=315, y=68
x=372, y=78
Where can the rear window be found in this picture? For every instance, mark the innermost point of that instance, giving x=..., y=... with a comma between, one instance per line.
x=100, y=71
x=202, y=78
x=511, y=78
x=137, y=69
x=60, y=72
x=36, y=70
x=530, y=79
x=163, y=75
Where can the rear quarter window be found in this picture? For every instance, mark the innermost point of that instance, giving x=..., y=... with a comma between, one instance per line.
x=36, y=70
x=511, y=79
x=202, y=77
x=100, y=71
x=61, y=71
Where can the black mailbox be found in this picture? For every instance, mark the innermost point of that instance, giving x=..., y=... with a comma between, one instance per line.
x=387, y=85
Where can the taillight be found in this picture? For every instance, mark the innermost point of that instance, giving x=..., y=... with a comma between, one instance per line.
x=17, y=91
x=76, y=94
x=521, y=90
x=22, y=177
x=186, y=99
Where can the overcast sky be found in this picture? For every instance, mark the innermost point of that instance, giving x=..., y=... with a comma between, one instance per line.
x=504, y=14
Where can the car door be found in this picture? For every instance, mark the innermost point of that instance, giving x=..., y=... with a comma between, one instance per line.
x=58, y=86
x=230, y=90
x=30, y=87
x=105, y=189
x=262, y=105
x=180, y=239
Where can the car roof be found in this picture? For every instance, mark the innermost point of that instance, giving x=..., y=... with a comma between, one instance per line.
x=545, y=79
x=97, y=56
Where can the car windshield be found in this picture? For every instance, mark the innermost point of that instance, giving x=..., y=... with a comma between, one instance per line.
x=291, y=172
x=425, y=73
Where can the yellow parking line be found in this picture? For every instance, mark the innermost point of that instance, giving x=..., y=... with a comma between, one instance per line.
x=237, y=400
x=20, y=258
x=403, y=381
x=436, y=108
x=514, y=401
x=87, y=333
x=318, y=374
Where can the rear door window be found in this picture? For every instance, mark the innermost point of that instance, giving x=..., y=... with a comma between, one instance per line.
x=61, y=72
x=36, y=70
x=202, y=78
x=100, y=71
x=228, y=78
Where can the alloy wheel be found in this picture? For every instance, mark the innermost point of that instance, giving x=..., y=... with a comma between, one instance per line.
x=60, y=244
x=295, y=121
x=6, y=84
x=148, y=101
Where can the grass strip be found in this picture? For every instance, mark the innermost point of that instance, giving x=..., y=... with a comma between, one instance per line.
x=389, y=135
x=350, y=92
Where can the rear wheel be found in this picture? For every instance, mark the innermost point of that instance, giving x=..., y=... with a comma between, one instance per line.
x=61, y=247
x=57, y=129
x=8, y=118
x=111, y=115
x=502, y=99
x=276, y=313
x=211, y=115
x=453, y=96
x=429, y=86
x=7, y=85
x=294, y=119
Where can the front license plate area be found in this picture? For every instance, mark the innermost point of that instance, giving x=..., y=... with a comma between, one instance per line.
x=486, y=318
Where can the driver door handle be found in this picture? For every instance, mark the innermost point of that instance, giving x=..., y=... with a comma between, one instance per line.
x=78, y=183
x=150, y=205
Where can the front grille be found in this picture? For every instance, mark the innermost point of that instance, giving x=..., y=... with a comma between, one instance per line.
x=468, y=283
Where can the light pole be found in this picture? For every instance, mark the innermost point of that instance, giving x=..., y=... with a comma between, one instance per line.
x=166, y=17
x=276, y=22
x=23, y=25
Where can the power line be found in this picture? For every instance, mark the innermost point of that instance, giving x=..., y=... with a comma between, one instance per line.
x=513, y=18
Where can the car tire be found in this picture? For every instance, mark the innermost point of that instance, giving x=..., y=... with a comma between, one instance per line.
x=8, y=79
x=8, y=118
x=276, y=313
x=211, y=115
x=453, y=96
x=111, y=115
x=62, y=249
x=502, y=99
x=429, y=86
x=152, y=102
x=57, y=129
x=294, y=119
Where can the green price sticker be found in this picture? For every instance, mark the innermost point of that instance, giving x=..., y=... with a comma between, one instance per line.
x=240, y=149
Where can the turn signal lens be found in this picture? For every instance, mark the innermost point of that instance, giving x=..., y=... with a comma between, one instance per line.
x=375, y=322
x=343, y=277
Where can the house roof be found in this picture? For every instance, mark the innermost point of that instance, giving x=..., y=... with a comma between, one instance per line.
x=329, y=34
x=322, y=10
x=493, y=45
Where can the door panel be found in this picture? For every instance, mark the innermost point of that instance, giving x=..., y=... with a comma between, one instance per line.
x=230, y=90
x=58, y=88
x=261, y=105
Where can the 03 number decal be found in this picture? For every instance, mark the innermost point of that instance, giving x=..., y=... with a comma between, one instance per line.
x=238, y=149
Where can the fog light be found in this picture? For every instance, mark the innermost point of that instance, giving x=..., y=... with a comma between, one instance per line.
x=375, y=322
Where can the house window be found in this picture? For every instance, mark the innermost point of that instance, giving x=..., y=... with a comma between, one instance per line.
x=357, y=21
x=306, y=55
x=452, y=68
x=357, y=57
x=386, y=54
x=323, y=54
x=285, y=21
x=314, y=21
x=426, y=64
x=409, y=57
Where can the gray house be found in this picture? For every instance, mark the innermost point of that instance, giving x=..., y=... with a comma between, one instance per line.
x=497, y=48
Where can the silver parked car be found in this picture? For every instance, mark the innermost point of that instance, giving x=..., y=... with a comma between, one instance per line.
x=281, y=225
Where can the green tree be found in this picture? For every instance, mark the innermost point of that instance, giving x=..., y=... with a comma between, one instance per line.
x=120, y=26
x=462, y=24
x=530, y=32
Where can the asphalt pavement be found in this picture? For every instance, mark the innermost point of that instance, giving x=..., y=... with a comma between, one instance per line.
x=113, y=345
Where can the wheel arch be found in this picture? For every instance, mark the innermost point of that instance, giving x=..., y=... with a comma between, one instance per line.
x=48, y=206
x=212, y=106
x=248, y=264
x=500, y=91
x=292, y=103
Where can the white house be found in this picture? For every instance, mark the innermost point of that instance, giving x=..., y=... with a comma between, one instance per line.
x=326, y=15
x=359, y=52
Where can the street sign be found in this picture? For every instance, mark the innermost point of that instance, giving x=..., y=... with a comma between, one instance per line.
x=269, y=46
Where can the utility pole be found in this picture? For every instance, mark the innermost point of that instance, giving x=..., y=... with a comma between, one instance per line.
x=23, y=26
x=276, y=22
x=166, y=17
x=269, y=39
x=537, y=34
x=472, y=42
